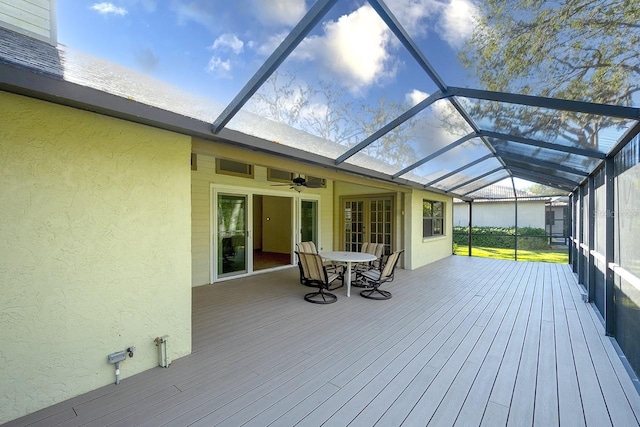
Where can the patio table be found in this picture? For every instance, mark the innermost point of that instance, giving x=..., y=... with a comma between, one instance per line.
x=349, y=258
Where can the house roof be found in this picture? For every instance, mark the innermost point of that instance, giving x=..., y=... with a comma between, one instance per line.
x=460, y=154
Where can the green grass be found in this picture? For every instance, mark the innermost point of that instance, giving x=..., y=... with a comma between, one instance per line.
x=560, y=257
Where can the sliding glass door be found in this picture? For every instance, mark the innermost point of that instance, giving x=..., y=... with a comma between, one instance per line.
x=257, y=230
x=232, y=234
x=309, y=221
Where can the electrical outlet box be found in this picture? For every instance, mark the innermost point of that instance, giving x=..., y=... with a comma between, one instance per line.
x=116, y=357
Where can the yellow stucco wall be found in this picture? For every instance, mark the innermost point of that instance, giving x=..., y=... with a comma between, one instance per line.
x=95, y=251
x=422, y=251
x=408, y=210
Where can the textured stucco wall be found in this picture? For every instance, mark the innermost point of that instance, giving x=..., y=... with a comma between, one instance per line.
x=95, y=251
x=423, y=251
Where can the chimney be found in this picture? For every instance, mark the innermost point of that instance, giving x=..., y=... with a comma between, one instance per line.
x=33, y=18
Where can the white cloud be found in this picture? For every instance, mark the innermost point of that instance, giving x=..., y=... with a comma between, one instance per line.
x=279, y=12
x=201, y=12
x=230, y=42
x=316, y=109
x=440, y=121
x=225, y=43
x=272, y=43
x=415, y=97
x=454, y=19
x=441, y=108
x=459, y=19
x=105, y=8
x=412, y=13
x=219, y=67
x=353, y=49
x=149, y=5
x=356, y=47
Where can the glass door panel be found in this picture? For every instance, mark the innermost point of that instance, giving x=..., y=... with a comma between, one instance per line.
x=380, y=223
x=309, y=221
x=232, y=234
x=369, y=219
x=353, y=225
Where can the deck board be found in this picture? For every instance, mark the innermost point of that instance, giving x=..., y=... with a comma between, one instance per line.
x=464, y=341
x=570, y=410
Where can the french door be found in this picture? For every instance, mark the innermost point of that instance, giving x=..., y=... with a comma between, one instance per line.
x=368, y=219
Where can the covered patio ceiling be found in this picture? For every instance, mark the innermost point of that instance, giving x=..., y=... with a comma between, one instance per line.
x=452, y=139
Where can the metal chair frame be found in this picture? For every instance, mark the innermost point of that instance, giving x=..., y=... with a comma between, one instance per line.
x=316, y=275
x=376, y=249
x=374, y=278
x=310, y=247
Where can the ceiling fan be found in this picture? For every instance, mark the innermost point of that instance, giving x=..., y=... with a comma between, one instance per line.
x=298, y=183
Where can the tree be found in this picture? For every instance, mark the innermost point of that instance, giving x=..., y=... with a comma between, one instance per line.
x=324, y=109
x=571, y=49
x=282, y=99
x=543, y=190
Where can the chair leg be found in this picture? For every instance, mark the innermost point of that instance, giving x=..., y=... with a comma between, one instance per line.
x=375, y=293
x=307, y=282
x=358, y=282
x=329, y=288
x=361, y=282
x=320, y=297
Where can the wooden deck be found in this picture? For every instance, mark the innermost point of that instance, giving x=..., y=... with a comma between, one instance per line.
x=463, y=342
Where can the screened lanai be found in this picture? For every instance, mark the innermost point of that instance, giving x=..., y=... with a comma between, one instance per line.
x=445, y=98
x=453, y=97
x=448, y=96
x=460, y=140
x=453, y=139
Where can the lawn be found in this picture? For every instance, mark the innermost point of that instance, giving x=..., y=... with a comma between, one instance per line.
x=560, y=257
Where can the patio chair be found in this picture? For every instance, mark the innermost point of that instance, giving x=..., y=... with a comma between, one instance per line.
x=306, y=247
x=310, y=248
x=316, y=274
x=376, y=249
x=374, y=278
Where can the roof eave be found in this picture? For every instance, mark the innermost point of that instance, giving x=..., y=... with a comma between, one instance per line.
x=29, y=83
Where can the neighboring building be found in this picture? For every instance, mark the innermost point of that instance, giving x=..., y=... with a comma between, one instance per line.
x=116, y=200
x=498, y=209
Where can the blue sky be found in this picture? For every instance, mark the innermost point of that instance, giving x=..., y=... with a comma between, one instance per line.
x=213, y=47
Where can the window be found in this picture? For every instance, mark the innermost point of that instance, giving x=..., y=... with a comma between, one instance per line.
x=233, y=168
x=550, y=217
x=277, y=175
x=194, y=162
x=315, y=182
x=432, y=218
